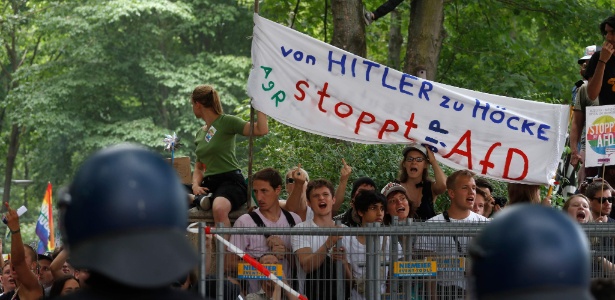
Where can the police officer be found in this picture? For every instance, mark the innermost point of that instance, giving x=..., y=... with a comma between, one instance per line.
x=123, y=219
x=531, y=252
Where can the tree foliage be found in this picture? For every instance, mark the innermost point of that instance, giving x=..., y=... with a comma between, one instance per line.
x=81, y=75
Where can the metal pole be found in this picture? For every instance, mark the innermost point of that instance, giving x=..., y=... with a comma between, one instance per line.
x=369, y=265
x=407, y=284
x=379, y=263
x=392, y=259
x=203, y=259
x=339, y=270
x=220, y=268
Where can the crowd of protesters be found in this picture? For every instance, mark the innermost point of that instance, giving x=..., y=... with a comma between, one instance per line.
x=124, y=215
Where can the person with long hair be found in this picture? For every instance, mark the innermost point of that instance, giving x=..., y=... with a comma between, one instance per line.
x=63, y=286
x=216, y=170
x=414, y=177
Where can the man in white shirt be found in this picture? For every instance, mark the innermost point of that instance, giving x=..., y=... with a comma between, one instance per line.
x=316, y=254
x=451, y=250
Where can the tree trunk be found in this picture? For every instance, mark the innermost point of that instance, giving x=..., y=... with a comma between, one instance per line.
x=347, y=14
x=425, y=35
x=10, y=161
x=395, y=41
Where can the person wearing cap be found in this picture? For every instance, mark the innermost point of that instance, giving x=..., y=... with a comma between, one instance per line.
x=462, y=192
x=350, y=218
x=397, y=204
x=413, y=176
x=124, y=219
x=581, y=101
x=531, y=252
x=23, y=262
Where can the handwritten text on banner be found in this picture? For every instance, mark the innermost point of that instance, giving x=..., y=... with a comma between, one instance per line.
x=318, y=88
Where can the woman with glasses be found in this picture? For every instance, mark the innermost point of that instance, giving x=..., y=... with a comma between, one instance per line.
x=413, y=176
x=397, y=204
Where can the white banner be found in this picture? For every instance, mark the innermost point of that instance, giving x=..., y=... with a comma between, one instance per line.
x=600, y=138
x=318, y=88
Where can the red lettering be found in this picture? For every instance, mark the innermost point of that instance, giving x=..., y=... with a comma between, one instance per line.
x=509, y=156
x=323, y=94
x=362, y=120
x=486, y=163
x=298, y=86
x=409, y=125
x=386, y=126
x=466, y=137
x=343, y=115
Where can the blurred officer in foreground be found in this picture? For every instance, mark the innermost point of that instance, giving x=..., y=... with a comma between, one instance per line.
x=531, y=252
x=123, y=219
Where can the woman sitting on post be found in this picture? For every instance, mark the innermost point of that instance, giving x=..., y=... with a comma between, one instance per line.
x=413, y=176
x=217, y=182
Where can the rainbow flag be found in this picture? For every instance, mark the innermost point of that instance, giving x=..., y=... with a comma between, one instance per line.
x=44, y=225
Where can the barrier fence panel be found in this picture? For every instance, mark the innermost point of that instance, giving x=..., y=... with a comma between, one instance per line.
x=411, y=260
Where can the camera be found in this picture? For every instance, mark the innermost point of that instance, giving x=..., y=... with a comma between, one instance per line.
x=501, y=201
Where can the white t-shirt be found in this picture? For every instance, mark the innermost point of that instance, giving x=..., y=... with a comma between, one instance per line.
x=447, y=248
x=357, y=259
x=310, y=241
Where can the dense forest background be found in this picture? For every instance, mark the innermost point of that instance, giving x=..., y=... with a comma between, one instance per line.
x=80, y=75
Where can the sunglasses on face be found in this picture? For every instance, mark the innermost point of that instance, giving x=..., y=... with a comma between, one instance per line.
x=417, y=159
x=290, y=180
x=605, y=199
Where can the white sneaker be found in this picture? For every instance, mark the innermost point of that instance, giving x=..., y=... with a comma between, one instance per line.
x=205, y=202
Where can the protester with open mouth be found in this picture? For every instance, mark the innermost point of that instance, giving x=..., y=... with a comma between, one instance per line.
x=413, y=176
x=577, y=206
x=397, y=203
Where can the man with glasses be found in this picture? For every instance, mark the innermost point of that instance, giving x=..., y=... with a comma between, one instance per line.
x=600, y=195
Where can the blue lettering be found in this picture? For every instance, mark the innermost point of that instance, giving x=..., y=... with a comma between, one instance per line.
x=341, y=62
x=541, y=132
x=403, y=83
x=369, y=67
x=354, y=64
x=526, y=126
x=384, y=79
x=446, y=100
x=286, y=53
x=478, y=106
x=425, y=87
x=499, y=114
x=310, y=58
x=298, y=55
x=510, y=125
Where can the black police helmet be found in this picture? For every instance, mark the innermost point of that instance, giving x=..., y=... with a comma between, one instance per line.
x=531, y=252
x=124, y=216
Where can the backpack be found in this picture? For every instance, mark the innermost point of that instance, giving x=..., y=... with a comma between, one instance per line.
x=259, y=222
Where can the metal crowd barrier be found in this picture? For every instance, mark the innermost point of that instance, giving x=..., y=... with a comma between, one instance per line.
x=413, y=270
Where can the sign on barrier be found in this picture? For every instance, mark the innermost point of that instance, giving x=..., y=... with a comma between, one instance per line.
x=246, y=271
x=414, y=268
x=449, y=263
